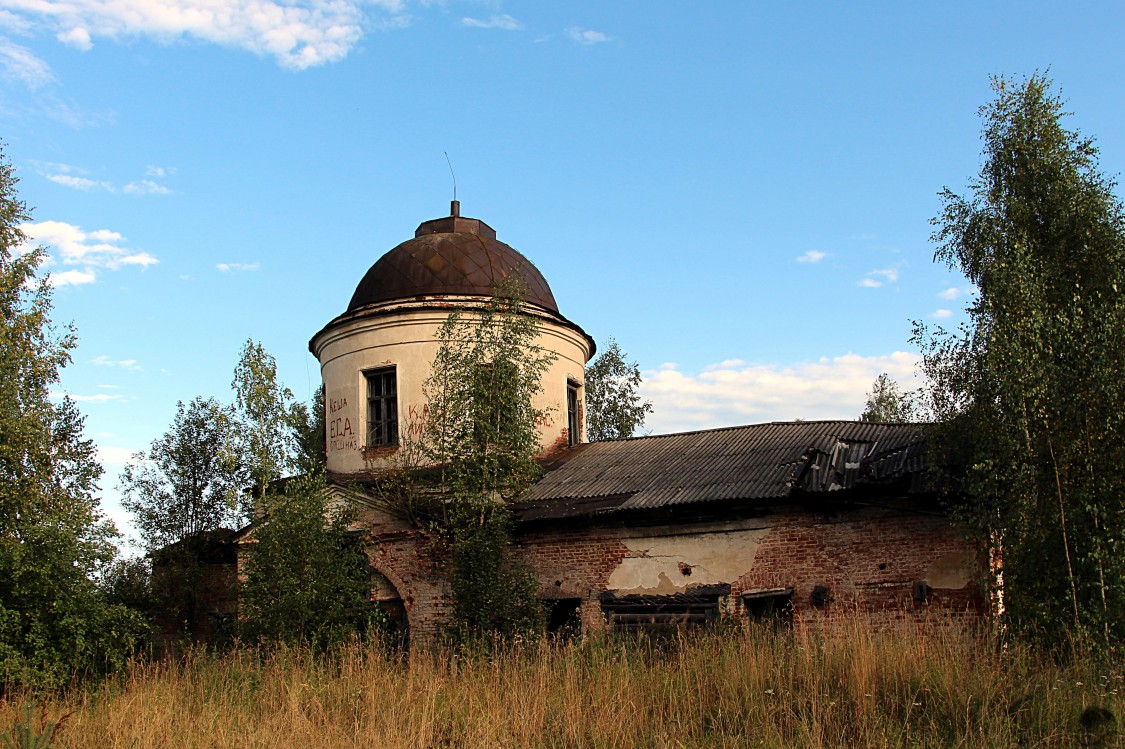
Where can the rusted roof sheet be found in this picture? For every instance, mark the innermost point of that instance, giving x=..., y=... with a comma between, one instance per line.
x=758, y=462
x=449, y=263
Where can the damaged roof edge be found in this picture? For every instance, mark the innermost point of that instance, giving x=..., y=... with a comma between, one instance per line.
x=771, y=461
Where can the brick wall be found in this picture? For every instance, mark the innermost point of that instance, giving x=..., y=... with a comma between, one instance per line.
x=869, y=560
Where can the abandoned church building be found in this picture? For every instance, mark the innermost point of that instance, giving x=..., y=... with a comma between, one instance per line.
x=798, y=519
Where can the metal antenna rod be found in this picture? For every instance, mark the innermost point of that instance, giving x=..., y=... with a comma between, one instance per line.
x=447, y=161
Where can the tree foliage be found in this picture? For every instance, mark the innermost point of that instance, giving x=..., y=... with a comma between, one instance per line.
x=481, y=435
x=1032, y=389
x=261, y=439
x=181, y=486
x=481, y=428
x=614, y=410
x=308, y=424
x=179, y=492
x=306, y=578
x=53, y=537
x=888, y=403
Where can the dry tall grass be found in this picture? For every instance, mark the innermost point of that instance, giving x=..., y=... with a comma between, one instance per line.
x=730, y=689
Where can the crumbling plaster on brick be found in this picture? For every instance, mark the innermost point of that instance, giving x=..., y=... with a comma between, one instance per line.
x=953, y=570
x=663, y=566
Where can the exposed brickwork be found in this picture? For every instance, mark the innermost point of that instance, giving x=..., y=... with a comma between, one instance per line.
x=870, y=561
x=574, y=564
x=405, y=556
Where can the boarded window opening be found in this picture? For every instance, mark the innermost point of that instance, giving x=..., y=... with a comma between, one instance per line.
x=698, y=606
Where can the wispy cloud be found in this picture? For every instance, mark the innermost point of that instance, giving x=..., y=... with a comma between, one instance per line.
x=586, y=36
x=78, y=183
x=298, y=34
x=878, y=277
x=502, y=21
x=92, y=251
x=942, y=314
x=20, y=64
x=233, y=267
x=734, y=392
x=74, y=177
x=145, y=187
x=105, y=361
x=956, y=292
x=812, y=256
x=115, y=456
x=95, y=398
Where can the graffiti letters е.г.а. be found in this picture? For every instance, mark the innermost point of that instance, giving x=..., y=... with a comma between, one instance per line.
x=341, y=436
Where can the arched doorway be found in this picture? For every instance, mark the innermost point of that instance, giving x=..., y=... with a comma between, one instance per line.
x=387, y=598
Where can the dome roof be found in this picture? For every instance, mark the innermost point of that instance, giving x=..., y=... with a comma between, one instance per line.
x=449, y=256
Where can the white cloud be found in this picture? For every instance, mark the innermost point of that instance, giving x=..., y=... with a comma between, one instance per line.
x=78, y=183
x=14, y=23
x=115, y=456
x=71, y=246
x=298, y=34
x=232, y=267
x=96, y=398
x=73, y=278
x=502, y=21
x=71, y=176
x=956, y=292
x=105, y=361
x=738, y=393
x=941, y=314
x=76, y=37
x=20, y=64
x=812, y=256
x=146, y=187
x=586, y=36
x=724, y=364
x=878, y=277
x=159, y=171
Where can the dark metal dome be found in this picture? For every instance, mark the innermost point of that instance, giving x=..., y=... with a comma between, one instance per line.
x=449, y=256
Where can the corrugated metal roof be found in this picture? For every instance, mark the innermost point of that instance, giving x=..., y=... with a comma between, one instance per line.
x=761, y=461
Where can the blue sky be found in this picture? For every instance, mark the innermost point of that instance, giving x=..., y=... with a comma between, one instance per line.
x=738, y=192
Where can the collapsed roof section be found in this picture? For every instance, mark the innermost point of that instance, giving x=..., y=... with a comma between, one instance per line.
x=761, y=462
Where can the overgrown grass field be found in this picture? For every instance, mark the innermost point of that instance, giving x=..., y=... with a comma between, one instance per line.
x=853, y=688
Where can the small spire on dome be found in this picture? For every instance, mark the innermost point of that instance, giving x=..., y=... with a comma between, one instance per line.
x=455, y=208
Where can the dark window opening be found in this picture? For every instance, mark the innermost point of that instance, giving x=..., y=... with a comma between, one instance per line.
x=382, y=408
x=774, y=605
x=573, y=421
x=564, y=616
x=821, y=596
